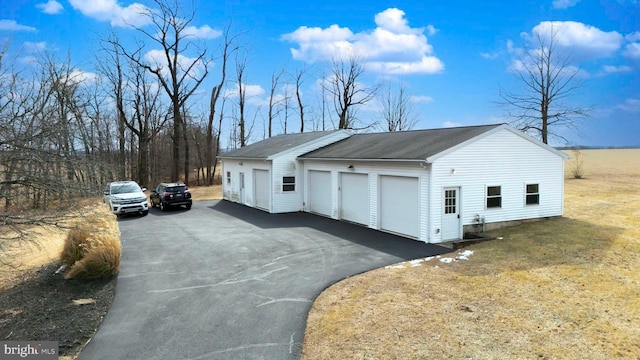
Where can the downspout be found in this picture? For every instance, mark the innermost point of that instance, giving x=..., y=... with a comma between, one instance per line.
x=425, y=165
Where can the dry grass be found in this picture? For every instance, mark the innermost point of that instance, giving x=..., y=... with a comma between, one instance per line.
x=199, y=193
x=564, y=288
x=92, y=248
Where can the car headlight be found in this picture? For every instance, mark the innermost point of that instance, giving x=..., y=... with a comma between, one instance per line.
x=116, y=201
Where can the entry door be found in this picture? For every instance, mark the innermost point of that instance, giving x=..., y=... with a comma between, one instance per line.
x=242, y=188
x=451, y=223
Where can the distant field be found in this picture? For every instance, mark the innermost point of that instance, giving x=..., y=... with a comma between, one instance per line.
x=607, y=162
x=566, y=288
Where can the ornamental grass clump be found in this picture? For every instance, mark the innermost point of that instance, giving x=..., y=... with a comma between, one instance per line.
x=92, y=248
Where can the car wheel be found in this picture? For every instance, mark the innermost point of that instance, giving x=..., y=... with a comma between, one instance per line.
x=188, y=206
x=162, y=207
x=145, y=212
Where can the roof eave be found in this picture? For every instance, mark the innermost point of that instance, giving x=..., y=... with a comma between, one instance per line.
x=222, y=157
x=362, y=160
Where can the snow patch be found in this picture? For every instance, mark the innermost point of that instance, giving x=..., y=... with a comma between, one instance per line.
x=461, y=255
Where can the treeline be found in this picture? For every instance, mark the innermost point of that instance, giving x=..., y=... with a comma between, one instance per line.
x=64, y=132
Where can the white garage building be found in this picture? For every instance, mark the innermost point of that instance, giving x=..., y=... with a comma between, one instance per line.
x=430, y=185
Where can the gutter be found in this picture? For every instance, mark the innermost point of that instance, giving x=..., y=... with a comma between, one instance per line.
x=364, y=160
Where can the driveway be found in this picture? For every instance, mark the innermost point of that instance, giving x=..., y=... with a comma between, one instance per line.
x=225, y=281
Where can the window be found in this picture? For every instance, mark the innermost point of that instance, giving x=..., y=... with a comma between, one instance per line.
x=494, y=197
x=289, y=183
x=533, y=196
x=450, y=202
x=228, y=177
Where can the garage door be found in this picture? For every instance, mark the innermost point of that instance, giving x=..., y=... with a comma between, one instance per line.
x=319, y=192
x=354, y=197
x=261, y=188
x=400, y=205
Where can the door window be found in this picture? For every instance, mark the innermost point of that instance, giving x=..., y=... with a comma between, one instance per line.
x=450, y=202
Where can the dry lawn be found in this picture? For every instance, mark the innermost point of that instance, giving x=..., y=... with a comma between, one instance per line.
x=199, y=193
x=566, y=288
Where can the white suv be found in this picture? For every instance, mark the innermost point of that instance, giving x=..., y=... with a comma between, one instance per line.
x=125, y=197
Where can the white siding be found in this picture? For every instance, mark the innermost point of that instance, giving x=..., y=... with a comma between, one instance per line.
x=286, y=164
x=499, y=159
x=279, y=165
x=374, y=170
x=231, y=191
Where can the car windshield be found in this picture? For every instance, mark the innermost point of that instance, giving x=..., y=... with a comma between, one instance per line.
x=125, y=188
x=176, y=189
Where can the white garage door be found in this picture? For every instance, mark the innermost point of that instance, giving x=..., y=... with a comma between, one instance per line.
x=319, y=192
x=261, y=188
x=400, y=205
x=354, y=197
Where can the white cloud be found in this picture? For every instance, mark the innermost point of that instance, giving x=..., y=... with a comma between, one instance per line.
x=82, y=77
x=632, y=50
x=431, y=30
x=564, y=4
x=450, y=124
x=630, y=106
x=250, y=91
x=34, y=47
x=12, y=25
x=423, y=99
x=51, y=7
x=580, y=40
x=635, y=36
x=612, y=69
x=490, y=56
x=203, y=32
x=393, y=47
x=157, y=59
x=110, y=10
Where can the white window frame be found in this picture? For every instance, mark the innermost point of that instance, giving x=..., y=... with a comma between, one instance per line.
x=527, y=194
x=487, y=197
x=284, y=183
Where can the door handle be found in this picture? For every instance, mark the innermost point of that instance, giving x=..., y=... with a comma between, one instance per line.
x=458, y=216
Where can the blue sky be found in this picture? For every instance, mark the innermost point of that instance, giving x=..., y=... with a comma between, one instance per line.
x=452, y=56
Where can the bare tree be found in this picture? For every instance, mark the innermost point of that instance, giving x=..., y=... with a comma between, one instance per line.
x=228, y=48
x=285, y=100
x=397, y=111
x=241, y=65
x=344, y=86
x=548, y=78
x=137, y=103
x=179, y=75
x=273, y=110
x=299, y=80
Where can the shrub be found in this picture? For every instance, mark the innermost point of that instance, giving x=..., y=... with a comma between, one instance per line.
x=577, y=164
x=92, y=248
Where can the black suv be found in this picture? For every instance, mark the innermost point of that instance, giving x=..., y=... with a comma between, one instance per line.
x=170, y=194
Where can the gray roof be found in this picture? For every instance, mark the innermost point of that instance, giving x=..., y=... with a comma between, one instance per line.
x=404, y=145
x=273, y=145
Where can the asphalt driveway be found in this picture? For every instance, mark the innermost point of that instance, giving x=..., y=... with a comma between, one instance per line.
x=224, y=281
